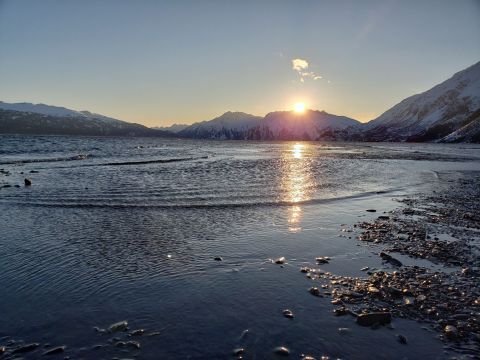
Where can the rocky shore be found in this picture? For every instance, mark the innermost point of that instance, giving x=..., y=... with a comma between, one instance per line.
x=443, y=230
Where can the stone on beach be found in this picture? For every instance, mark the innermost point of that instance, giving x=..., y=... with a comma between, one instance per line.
x=390, y=259
x=118, y=326
x=281, y=350
x=314, y=291
x=322, y=259
x=373, y=318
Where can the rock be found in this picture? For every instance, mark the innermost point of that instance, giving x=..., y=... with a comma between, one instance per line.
x=390, y=259
x=308, y=357
x=314, y=291
x=55, y=350
x=450, y=331
x=2, y=349
x=33, y=172
x=402, y=339
x=383, y=217
x=280, y=260
x=373, y=318
x=138, y=332
x=288, y=313
x=340, y=311
x=133, y=344
x=99, y=330
x=119, y=326
x=364, y=268
x=28, y=182
x=238, y=351
x=217, y=258
x=26, y=348
x=371, y=210
x=322, y=259
x=281, y=350
x=304, y=269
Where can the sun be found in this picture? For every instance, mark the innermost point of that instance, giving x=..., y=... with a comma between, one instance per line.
x=299, y=108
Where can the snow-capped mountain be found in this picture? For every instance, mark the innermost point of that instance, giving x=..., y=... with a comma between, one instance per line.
x=231, y=125
x=279, y=125
x=434, y=114
x=27, y=118
x=175, y=128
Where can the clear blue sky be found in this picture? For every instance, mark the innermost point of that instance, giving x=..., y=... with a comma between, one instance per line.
x=160, y=62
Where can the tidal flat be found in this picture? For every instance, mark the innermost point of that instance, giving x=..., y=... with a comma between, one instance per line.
x=149, y=248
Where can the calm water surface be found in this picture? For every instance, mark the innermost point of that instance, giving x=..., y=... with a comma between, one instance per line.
x=126, y=229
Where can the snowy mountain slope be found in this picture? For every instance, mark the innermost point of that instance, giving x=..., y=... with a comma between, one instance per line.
x=310, y=125
x=279, y=125
x=175, y=128
x=443, y=107
x=26, y=118
x=470, y=132
x=54, y=111
x=231, y=125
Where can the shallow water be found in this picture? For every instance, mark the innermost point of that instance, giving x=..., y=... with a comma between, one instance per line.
x=127, y=228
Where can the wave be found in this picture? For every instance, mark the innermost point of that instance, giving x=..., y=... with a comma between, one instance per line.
x=84, y=157
x=230, y=205
x=157, y=161
x=45, y=160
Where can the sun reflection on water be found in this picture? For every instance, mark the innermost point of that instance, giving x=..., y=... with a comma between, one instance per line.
x=297, y=182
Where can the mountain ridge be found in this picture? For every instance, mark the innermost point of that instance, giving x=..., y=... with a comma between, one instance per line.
x=448, y=112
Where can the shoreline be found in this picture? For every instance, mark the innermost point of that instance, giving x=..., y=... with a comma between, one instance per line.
x=442, y=230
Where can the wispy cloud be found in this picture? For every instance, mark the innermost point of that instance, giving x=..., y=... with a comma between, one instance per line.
x=301, y=66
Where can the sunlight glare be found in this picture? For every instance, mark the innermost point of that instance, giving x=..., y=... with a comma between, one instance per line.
x=299, y=108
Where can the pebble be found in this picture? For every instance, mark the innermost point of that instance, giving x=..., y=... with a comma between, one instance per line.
x=390, y=259
x=288, y=313
x=451, y=331
x=280, y=260
x=371, y=210
x=217, y=258
x=402, y=339
x=281, y=350
x=238, y=351
x=322, y=259
x=314, y=291
x=28, y=182
x=118, y=326
x=138, y=332
x=373, y=318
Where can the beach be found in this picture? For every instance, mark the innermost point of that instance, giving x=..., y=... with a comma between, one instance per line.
x=149, y=248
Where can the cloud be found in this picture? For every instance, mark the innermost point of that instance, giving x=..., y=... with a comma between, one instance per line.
x=301, y=67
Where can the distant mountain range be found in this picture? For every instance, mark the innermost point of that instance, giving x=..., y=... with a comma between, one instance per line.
x=279, y=125
x=40, y=119
x=449, y=112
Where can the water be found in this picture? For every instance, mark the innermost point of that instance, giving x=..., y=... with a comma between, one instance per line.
x=121, y=228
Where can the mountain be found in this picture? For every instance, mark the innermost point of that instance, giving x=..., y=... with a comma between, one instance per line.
x=279, y=125
x=231, y=126
x=26, y=118
x=445, y=113
x=175, y=128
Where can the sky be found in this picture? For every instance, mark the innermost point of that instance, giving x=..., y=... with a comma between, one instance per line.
x=180, y=61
